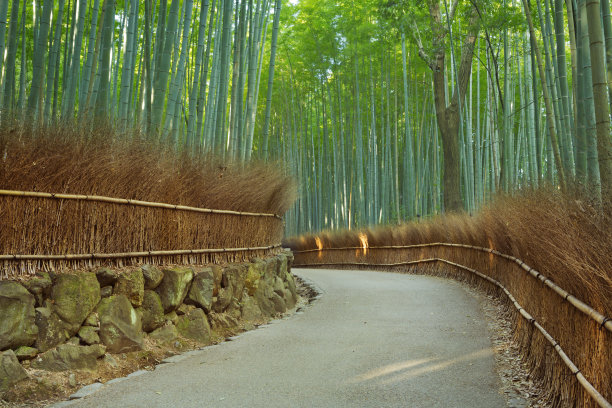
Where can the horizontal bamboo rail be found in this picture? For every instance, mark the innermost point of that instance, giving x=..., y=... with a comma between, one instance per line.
x=589, y=388
x=124, y=201
x=602, y=320
x=140, y=254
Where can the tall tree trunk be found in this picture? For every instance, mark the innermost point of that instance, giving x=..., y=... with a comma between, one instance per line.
x=447, y=116
x=127, y=69
x=549, y=111
x=101, y=110
x=277, y=9
x=38, y=64
x=70, y=94
x=607, y=28
x=3, y=13
x=191, y=125
x=9, y=76
x=178, y=77
x=162, y=68
x=226, y=43
x=600, y=97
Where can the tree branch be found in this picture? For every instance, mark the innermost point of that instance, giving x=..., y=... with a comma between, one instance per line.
x=467, y=53
x=453, y=9
x=417, y=38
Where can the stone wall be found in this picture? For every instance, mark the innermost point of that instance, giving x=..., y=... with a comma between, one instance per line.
x=67, y=321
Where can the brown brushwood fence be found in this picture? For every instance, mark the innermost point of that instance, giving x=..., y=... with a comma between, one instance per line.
x=567, y=344
x=44, y=231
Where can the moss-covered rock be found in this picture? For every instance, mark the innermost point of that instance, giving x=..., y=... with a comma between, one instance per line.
x=194, y=325
x=165, y=334
x=217, y=271
x=201, y=291
x=254, y=273
x=184, y=309
x=280, y=306
x=290, y=259
x=120, y=325
x=106, y=291
x=51, y=329
x=75, y=341
x=222, y=321
x=89, y=335
x=174, y=287
x=152, y=311
x=250, y=309
x=106, y=276
x=70, y=357
x=279, y=286
x=272, y=267
x=222, y=300
x=74, y=297
x=131, y=284
x=282, y=263
x=234, y=277
x=263, y=296
x=17, y=316
x=171, y=317
x=39, y=286
x=11, y=372
x=290, y=283
x=92, y=320
x=26, y=353
x=290, y=301
x=152, y=276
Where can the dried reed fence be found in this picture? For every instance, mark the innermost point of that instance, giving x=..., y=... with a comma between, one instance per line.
x=42, y=231
x=221, y=211
x=567, y=344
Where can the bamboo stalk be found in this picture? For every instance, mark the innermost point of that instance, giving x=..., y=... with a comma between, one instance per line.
x=602, y=320
x=60, y=196
x=588, y=387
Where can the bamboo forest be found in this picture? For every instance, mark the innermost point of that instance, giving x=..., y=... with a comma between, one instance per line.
x=383, y=110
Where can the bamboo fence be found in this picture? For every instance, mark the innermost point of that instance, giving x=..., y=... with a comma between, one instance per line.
x=567, y=343
x=45, y=231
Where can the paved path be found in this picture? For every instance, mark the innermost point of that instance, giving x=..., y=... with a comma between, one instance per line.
x=373, y=339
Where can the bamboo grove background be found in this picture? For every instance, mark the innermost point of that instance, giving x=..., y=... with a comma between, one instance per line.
x=187, y=72
x=384, y=110
x=357, y=106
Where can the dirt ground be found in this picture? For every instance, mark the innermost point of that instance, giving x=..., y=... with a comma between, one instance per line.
x=519, y=390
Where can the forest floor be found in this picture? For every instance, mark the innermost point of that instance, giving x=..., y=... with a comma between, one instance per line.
x=519, y=390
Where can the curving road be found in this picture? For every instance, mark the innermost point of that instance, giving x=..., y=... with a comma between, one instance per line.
x=373, y=339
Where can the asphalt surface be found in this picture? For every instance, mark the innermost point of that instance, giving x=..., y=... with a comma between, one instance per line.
x=372, y=339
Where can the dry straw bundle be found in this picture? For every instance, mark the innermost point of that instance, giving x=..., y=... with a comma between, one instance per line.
x=562, y=238
x=81, y=161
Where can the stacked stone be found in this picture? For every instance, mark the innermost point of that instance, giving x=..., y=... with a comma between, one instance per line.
x=68, y=321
